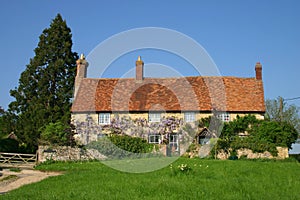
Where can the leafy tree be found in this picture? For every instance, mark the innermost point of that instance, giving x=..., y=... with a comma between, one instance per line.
x=2, y=111
x=278, y=110
x=6, y=123
x=46, y=85
x=263, y=135
x=9, y=145
x=279, y=133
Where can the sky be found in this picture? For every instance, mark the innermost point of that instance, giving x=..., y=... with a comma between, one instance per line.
x=236, y=34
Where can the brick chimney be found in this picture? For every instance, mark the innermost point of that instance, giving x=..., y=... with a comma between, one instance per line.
x=258, y=71
x=82, y=65
x=139, y=73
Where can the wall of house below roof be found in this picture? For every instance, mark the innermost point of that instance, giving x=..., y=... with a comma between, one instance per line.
x=84, y=138
x=81, y=117
x=257, y=115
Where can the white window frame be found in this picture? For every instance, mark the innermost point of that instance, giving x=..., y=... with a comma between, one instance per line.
x=154, y=117
x=225, y=117
x=104, y=118
x=189, y=116
x=154, y=139
x=174, y=141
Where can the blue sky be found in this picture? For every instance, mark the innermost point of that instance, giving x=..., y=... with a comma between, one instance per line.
x=235, y=33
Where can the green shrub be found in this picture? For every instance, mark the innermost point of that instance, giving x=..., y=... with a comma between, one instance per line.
x=57, y=133
x=121, y=146
x=263, y=135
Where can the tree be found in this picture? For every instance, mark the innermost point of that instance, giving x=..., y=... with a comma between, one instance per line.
x=46, y=86
x=281, y=134
x=262, y=135
x=2, y=111
x=6, y=123
x=278, y=110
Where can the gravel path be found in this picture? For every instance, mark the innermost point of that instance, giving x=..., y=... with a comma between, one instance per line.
x=24, y=177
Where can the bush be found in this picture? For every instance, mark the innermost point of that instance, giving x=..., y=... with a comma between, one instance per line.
x=9, y=145
x=57, y=133
x=263, y=135
x=121, y=146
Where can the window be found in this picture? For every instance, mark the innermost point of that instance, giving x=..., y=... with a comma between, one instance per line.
x=225, y=117
x=189, y=117
x=154, y=117
x=154, y=139
x=173, y=142
x=104, y=118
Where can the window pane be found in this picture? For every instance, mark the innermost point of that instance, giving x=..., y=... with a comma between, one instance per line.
x=225, y=117
x=154, y=117
x=104, y=118
x=189, y=116
x=154, y=139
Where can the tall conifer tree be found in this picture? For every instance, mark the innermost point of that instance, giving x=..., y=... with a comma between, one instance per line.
x=46, y=86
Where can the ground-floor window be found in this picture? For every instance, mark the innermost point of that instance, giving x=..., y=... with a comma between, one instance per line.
x=154, y=139
x=174, y=142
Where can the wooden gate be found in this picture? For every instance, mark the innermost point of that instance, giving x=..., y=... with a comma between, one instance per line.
x=17, y=160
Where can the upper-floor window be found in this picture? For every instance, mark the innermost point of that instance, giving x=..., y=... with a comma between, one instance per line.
x=189, y=117
x=104, y=118
x=225, y=117
x=154, y=117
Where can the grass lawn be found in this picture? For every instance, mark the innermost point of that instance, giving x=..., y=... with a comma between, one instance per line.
x=207, y=179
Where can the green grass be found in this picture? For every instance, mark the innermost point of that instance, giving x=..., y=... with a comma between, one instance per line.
x=208, y=179
x=15, y=169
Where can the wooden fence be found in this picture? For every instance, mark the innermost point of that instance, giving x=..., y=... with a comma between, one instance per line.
x=17, y=160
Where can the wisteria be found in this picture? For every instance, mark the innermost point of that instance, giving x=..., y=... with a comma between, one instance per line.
x=88, y=130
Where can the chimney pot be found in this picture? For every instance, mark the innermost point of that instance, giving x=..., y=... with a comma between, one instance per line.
x=139, y=73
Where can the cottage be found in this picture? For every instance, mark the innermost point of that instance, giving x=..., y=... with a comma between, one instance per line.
x=186, y=98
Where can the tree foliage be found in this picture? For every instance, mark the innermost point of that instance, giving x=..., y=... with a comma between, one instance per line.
x=46, y=86
x=278, y=110
x=261, y=135
x=9, y=145
x=7, y=123
x=281, y=134
x=58, y=134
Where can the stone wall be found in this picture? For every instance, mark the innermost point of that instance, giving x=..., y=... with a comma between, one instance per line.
x=282, y=154
x=67, y=153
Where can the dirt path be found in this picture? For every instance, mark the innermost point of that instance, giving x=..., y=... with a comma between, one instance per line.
x=23, y=177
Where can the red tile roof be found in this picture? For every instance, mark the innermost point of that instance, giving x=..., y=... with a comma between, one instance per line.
x=199, y=93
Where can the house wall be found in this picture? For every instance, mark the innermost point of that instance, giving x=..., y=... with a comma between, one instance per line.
x=81, y=117
x=86, y=137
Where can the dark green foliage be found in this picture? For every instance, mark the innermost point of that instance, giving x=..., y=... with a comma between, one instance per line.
x=46, y=86
x=121, y=146
x=57, y=133
x=238, y=125
x=6, y=123
x=262, y=135
x=279, y=133
x=9, y=145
